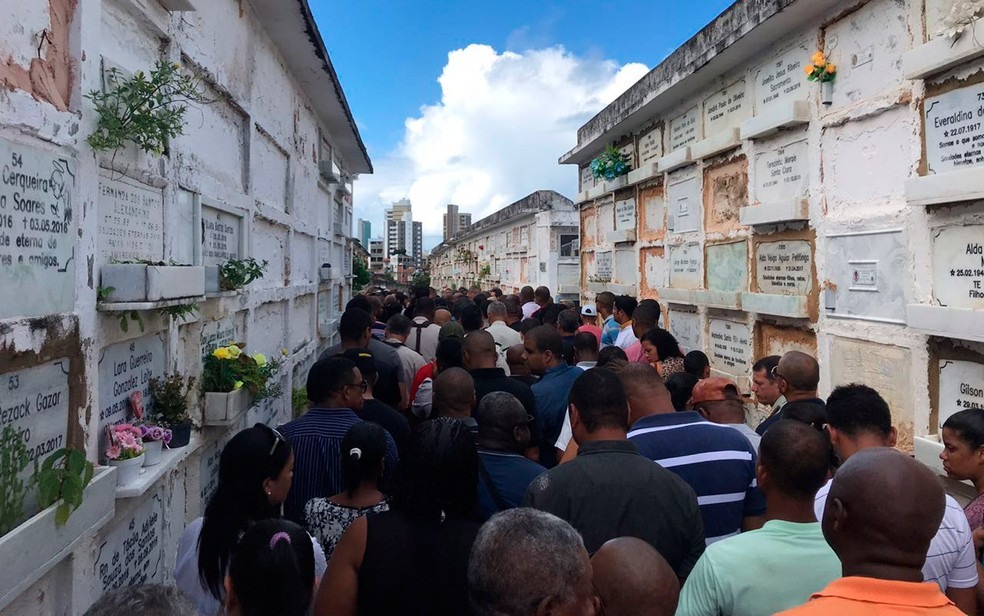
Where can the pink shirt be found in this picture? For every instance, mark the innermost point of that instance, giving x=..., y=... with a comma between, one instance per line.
x=635, y=354
x=591, y=329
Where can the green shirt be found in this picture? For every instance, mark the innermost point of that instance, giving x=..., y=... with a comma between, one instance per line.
x=760, y=572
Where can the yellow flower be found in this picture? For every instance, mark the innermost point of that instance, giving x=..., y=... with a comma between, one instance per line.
x=234, y=351
x=831, y=69
x=819, y=59
x=808, y=69
x=285, y=352
x=237, y=385
x=260, y=359
x=221, y=353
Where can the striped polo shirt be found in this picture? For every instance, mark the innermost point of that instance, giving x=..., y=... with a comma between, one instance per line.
x=717, y=461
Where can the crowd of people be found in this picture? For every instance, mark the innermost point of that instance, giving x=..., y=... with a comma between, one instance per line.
x=492, y=454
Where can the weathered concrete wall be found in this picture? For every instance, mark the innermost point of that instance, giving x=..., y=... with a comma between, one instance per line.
x=248, y=160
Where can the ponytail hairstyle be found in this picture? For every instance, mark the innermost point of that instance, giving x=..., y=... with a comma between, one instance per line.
x=251, y=456
x=272, y=570
x=363, y=450
x=969, y=426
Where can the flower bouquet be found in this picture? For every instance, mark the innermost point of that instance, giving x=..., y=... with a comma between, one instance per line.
x=819, y=69
x=232, y=379
x=125, y=452
x=610, y=165
x=155, y=438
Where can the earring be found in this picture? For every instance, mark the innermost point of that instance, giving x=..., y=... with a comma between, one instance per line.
x=269, y=493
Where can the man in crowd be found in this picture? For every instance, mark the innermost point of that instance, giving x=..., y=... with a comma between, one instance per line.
x=503, y=438
x=717, y=400
x=548, y=311
x=585, y=350
x=480, y=357
x=567, y=324
x=471, y=318
x=529, y=563
x=516, y=357
x=422, y=338
x=335, y=388
x=514, y=312
x=609, y=490
x=589, y=321
x=605, y=301
x=376, y=307
x=449, y=355
x=885, y=509
x=454, y=397
x=624, y=308
x=398, y=328
x=526, y=299
x=797, y=376
x=442, y=316
x=858, y=418
x=645, y=318
x=503, y=335
x=717, y=461
x=373, y=410
x=544, y=356
x=633, y=579
x=782, y=564
x=697, y=364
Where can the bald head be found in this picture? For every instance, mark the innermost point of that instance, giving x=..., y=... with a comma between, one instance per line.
x=800, y=371
x=501, y=421
x=632, y=578
x=646, y=392
x=442, y=316
x=882, y=512
x=479, y=349
x=454, y=393
x=514, y=357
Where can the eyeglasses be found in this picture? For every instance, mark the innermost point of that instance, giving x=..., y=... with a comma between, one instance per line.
x=277, y=437
x=364, y=386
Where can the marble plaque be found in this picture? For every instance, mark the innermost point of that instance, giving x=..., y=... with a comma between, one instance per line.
x=37, y=231
x=955, y=129
x=650, y=146
x=604, y=267
x=218, y=333
x=133, y=551
x=784, y=268
x=131, y=219
x=685, y=266
x=684, y=129
x=625, y=214
x=124, y=368
x=726, y=108
x=628, y=151
x=685, y=327
x=324, y=309
x=684, y=201
x=626, y=266
x=961, y=387
x=587, y=179
x=731, y=346
x=870, y=273
x=958, y=266
x=222, y=234
x=782, y=79
x=783, y=172
x=727, y=267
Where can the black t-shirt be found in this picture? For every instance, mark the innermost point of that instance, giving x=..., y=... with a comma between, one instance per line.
x=389, y=418
x=489, y=380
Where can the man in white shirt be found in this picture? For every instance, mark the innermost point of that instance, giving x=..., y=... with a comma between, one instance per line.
x=585, y=350
x=424, y=331
x=625, y=305
x=858, y=418
x=526, y=299
x=503, y=335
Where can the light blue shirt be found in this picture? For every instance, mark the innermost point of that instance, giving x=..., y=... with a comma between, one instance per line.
x=609, y=331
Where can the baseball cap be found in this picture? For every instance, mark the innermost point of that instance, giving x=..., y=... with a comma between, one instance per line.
x=589, y=310
x=451, y=329
x=714, y=389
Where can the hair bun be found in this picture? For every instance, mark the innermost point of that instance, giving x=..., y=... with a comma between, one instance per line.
x=355, y=452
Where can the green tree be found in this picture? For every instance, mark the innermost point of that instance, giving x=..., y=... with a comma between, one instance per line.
x=362, y=275
x=421, y=279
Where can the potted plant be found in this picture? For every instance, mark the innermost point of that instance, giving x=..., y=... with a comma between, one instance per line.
x=125, y=452
x=233, y=379
x=610, y=164
x=150, y=281
x=234, y=274
x=171, y=406
x=13, y=461
x=819, y=69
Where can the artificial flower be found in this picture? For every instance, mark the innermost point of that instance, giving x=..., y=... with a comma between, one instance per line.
x=819, y=59
x=221, y=353
x=260, y=359
x=808, y=69
x=234, y=351
x=167, y=437
x=113, y=453
x=831, y=69
x=285, y=352
x=237, y=385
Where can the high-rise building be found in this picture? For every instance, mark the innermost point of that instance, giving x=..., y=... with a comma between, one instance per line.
x=377, y=261
x=364, y=230
x=455, y=221
x=404, y=237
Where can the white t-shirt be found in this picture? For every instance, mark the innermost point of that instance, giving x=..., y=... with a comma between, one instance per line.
x=529, y=308
x=626, y=338
x=950, y=561
x=186, y=570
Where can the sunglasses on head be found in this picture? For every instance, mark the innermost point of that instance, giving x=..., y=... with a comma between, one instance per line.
x=277, y=437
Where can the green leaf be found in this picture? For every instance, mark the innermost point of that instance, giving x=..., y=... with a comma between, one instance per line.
x=48, y=488
x=61, y=514
x=87, y=474
x=124, y=323
x=72, y=489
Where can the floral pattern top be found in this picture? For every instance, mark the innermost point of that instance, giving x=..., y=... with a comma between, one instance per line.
x=669, y=367
x=327, y=521
x=975, y=512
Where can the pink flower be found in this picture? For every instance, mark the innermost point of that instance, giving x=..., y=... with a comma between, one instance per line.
x=167, y=437
x=113, y=453
x=156, y=433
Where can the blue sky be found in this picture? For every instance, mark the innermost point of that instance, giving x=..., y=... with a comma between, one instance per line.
x=390, y=54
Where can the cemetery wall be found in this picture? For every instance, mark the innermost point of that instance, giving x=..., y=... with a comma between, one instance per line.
x=246, y=179
x=770, y=213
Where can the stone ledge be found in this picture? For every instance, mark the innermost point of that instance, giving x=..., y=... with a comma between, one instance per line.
x=677, y=159
x=170, y=459
x=716, y=144
x=727, y=300
x=616, y=288
x=949, y=187
x=791, y=210
x=644, y=173
x=956, y=323
x=943, y=53
x=676, y=296
x=622, y=236
x=792, y=306
x=787, y=115
x=620, y=182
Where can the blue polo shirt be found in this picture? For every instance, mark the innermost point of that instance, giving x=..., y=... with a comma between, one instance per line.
x=510, y=475
x=609, y=331
x=551, y=394
x=717, y=461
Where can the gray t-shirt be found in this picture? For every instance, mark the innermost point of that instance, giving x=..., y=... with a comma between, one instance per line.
x=388, y=365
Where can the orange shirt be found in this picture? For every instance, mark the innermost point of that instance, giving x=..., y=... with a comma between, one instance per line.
x=861, y=596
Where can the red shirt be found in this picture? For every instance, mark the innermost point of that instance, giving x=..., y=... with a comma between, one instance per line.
x=591, y=329
x=426, y=372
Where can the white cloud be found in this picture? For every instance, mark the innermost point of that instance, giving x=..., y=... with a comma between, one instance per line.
x=503, y=121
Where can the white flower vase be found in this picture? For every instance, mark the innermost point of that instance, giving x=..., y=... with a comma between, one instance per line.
x=152, y=452
x=827, y=92
x=127, y=471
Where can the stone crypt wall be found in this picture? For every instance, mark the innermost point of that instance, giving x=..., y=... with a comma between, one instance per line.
x=242, y=181
x=765, y=220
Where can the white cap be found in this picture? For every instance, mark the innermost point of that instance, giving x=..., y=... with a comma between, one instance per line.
x=589, y=310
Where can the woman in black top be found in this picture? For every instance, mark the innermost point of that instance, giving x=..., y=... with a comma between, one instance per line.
x=413, y=559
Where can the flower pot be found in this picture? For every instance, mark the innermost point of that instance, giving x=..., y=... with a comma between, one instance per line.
x=827, y=92
x=222, y=408
x=180, y=435
x=127, y=471
x=152, y=283
x=152, y=452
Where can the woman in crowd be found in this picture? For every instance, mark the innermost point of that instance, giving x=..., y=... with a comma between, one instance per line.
x=271, y=571
x=412, y=560
x=364, y=448
x=963, y=457
x=663, y=351
x=255, y=472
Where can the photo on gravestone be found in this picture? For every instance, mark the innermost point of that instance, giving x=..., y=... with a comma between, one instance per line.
x=222, y=236
x=961, y=387
x=726, y=109
x=954, y=129
x=784, y=268
x=651, y=146
x=685, y=129
x=124, y=368
x=958, y=266
x=684, y=201
x=730, y=346
x=131, y=220
x=37, y=231
x=132, y=552
x=782, y=169
x=869, y=273
x=727, y=267
x=780, y=79
x=685, y=266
